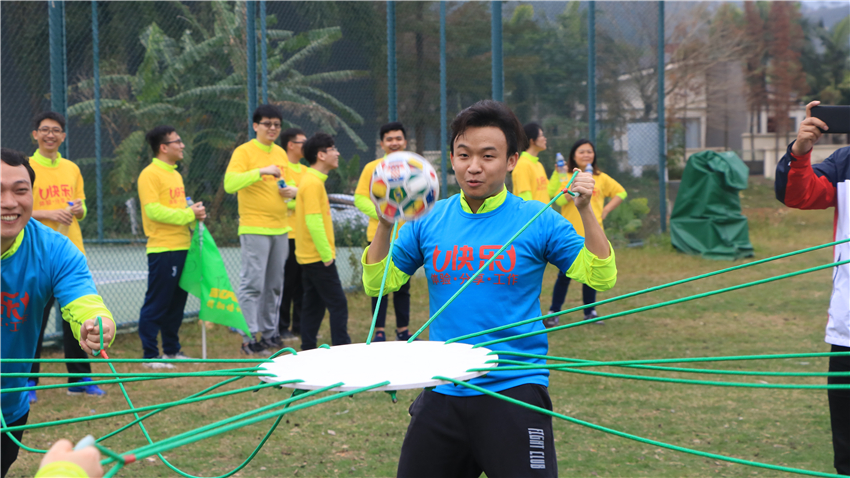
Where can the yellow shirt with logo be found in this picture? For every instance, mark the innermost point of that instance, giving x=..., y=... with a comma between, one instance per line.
x=363, y=199
x=605, y=187
x=312, y=202
x=56, y=184
x=293, y=178
x=261, y=208
x=530, y=176
x=161, y=190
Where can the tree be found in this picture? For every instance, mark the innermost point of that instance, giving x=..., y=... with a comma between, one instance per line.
x=786, y=78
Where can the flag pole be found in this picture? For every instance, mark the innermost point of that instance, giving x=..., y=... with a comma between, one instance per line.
x=203, y=325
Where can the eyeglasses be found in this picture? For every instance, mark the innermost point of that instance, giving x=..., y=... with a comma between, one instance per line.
x=175, y=141
x=271, y=125
x=48, y=130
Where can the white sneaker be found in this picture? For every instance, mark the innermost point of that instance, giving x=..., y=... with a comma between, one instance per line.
x=158, y=365
x=178, y=355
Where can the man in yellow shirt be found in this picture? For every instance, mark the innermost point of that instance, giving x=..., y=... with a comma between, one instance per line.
x=292, y=139
x=393, y=139
x=529, y=176
x=165, y=218
x=315, y=249
x=59, y=203
x=253, y=173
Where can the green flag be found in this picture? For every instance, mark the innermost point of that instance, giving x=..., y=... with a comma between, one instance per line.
x=205, y=277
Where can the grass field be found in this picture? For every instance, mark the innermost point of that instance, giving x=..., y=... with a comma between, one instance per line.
x=362, y=436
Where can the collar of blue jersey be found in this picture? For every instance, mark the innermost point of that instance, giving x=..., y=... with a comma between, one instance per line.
x=45, y=161
x=162, y=164
x=15, y=245
x=529, y=157
x=267, y=149
x=490, y=204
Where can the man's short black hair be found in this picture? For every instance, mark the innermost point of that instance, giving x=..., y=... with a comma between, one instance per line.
x=289, y=135
x=157, y=137
x=17, y=158
x=490, y=113
x=267, y=111
x=36, y=122
x=532, y=131
x=394, y=126
x=317, y=142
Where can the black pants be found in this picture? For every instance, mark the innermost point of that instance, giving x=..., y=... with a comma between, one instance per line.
x=72, y=347
x=164, y=303
x=401, y=304
x=839, y=411
x=322, y=289
x=559, y=294
x=8, y=448
x=293, y=293
x=465, y=436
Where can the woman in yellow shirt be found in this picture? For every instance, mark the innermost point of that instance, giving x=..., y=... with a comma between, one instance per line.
x=583, y=157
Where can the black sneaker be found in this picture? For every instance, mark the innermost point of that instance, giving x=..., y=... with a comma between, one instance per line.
x=403, y=335
x=551, y=322
x=254, y=348
x=287, y=335
x=276, y=342
x=593, y=315
x=380, y=336
x=268, y=346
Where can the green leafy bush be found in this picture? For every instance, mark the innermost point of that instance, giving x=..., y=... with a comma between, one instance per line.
x=624, y=222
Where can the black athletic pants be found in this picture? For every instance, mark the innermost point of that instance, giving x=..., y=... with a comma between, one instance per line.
x=322, y=289
x=401, y=304
x=293, y=293
x=465, y=436
x=839, y=411
x=72, y=347
x=8, y=448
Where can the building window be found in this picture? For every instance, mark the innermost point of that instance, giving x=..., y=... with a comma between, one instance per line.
x=693, y=133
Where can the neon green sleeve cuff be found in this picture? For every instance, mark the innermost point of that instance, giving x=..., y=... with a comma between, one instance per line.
x=525, y=195
x=374, y=273
x=167, y=215
x=622, y=195
x=85, y=211
x=366, y=206
x=235, y=181
x=290, y=204
x=600, y=274
x=85, y=308
x=61, y=469
x=554, y=184
x=316, y=227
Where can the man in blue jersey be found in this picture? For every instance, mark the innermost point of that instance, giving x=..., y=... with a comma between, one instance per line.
x=37, y=263
x=455, y=431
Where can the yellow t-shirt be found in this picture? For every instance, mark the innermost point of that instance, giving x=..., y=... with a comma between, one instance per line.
x=363, y=190
x=312, y=198
x=260, y=204
x=56, y=184
x=605, y=187
x=294, y=173
x=160, y=183
x=529, y=175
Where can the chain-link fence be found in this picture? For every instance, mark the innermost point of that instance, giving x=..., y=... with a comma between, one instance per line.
x=325, y=64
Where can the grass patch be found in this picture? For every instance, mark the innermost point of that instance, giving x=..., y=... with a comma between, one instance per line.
x=362, y=436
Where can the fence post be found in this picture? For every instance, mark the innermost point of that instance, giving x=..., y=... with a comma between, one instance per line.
x=392, y=92
x=662, y=155
x=496, y=50
x=264, y=60
x=443, y=109
x=97, y=152
x=58, y=73
x=251, y=42
x=591, y=70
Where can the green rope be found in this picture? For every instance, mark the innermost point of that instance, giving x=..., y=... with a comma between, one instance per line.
x=383, y=282
x=645, y=291
x=660, y=304
x=208, y=373
x=681, y=360
x=567, y=368
x=635, y=437
x=94, y=382
x=490, y=261
x=142, y=360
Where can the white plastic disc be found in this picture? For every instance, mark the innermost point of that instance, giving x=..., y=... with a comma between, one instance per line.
x=405, y=365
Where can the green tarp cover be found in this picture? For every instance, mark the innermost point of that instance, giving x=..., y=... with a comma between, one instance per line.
x=707, y=217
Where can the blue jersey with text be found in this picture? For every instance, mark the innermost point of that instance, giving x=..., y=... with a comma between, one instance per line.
x=46, y=264
x=452, y=245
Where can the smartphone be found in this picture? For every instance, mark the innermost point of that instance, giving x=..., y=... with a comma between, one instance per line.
x=836, y=117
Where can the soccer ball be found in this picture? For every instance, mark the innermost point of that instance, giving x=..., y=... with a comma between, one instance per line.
x=404, y=186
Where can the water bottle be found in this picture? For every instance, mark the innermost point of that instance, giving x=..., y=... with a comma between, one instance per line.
x=589, y=168
x=64, y=228
x=189, y=202
x=559, y=160
x=281, y=183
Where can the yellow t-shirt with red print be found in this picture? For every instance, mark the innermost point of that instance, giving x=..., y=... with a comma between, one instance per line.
x=56, y=184
x=160, y=183
x=530, y=176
